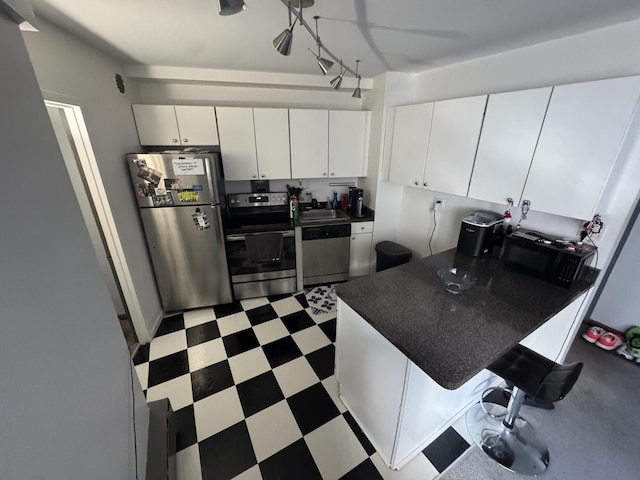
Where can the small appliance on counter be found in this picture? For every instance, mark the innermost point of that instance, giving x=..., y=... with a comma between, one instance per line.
x=479, y=232
x=356, y=202
x=543, y=255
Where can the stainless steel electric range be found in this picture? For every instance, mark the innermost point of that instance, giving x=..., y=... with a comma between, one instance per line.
x=260, y=243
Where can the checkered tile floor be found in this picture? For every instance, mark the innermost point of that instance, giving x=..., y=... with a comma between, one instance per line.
x=255, y=397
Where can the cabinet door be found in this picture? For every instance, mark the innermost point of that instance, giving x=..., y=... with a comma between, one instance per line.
x=237, y=143
x=410, y=141
x=347, y=143
x=360, y=257
x=272, y=142
x=156, y=124
x=197, y=125
x=550, y=338
x=579, y=142
x=309, y=143
x=508, y=141
x=455, y=129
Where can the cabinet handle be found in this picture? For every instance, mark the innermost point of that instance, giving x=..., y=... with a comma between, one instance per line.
x=254, y=176
x=324, y=174
x=426, y=184
x=175, y=140
x=263, y=175
x=185, y=140
x=361, y=228
x=353, y=238
x=333, y=174
x=416, y=183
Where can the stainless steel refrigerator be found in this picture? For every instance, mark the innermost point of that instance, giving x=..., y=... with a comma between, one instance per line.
x=180, y=196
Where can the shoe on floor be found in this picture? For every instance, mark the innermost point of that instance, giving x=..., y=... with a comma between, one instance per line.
x=593, y=334
x=624, y=351
x=609, y=341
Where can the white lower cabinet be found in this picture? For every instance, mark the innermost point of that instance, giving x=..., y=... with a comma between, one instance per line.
x=360, y=257
x=550, y=339
x=398, y=406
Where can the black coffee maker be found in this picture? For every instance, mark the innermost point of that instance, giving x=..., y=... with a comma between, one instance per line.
x=356, y=201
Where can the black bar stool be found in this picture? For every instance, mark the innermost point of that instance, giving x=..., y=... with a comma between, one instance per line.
x=500, y=432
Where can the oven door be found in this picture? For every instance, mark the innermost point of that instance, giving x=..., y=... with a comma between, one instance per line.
x=262, y=263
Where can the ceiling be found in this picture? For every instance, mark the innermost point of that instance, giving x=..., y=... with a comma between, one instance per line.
x=398, y=35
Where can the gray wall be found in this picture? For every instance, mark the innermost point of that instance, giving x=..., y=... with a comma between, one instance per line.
x=82, y=75
x=65, y=401
x=619, y=303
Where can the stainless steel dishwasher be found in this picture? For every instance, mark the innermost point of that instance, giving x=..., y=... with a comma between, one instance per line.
x=325, y=253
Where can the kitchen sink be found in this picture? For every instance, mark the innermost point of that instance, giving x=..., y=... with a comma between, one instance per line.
x=322, y=216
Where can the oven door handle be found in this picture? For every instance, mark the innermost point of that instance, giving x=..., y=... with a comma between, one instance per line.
x=238, y=238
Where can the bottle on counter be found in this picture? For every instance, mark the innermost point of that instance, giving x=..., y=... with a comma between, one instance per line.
x=295, y=210
x=335, y=200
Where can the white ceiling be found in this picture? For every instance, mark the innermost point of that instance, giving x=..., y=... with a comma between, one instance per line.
x=387, y=35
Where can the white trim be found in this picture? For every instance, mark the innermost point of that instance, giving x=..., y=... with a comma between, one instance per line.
x=77, y=127
x=235, y=77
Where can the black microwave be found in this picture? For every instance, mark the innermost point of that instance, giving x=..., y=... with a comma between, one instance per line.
x=538, y=254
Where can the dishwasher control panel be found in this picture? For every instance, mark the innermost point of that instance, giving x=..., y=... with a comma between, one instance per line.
x=321, y=232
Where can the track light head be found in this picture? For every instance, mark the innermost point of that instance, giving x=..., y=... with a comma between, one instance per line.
x=230, y=7
x=283, y=42
x=325, y=65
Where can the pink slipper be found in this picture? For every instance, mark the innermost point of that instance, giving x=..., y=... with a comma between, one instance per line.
x=609, y=341
x=593, y=334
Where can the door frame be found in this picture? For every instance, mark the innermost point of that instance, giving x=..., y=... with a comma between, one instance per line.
x=97, y=192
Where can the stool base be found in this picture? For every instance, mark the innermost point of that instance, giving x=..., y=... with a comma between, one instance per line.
x=519, y=449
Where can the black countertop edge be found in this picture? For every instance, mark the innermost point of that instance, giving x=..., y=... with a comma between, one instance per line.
x=454, y=337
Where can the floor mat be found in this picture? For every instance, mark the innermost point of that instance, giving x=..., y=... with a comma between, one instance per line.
x=321, y=299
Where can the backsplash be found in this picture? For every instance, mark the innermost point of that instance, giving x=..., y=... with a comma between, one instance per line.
x=317, y=188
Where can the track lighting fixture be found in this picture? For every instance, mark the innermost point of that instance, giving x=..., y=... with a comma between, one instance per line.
x=337, y=81
x=230, y=7
x=284, y=41
x=357, y=93
x=323, y=63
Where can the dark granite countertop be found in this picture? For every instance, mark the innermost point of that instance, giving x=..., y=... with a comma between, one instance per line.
x=453, y=337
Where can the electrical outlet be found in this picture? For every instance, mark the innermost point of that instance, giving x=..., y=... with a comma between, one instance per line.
x=438, y=204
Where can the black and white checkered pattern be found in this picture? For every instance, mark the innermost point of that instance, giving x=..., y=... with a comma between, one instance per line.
x=255, y=397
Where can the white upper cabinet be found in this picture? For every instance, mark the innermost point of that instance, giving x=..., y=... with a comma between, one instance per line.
x=254, y=143
x=347, y=143
x=328, y=143
x=411, y=130
x=237, y=143
x=309, y=143
x=455, y=129
x=579, y=142
x=508, y=141
x=272, y=142
x=434, y=144
x=176, y=125
x=197, y=125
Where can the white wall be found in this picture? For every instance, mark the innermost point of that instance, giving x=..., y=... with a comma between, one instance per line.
x=66, y=397
x=69, y=68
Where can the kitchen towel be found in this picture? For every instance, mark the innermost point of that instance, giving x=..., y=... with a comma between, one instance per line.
x=264, y=247
x=321, y=299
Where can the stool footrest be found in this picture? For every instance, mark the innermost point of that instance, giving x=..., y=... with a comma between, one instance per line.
x=519, y=448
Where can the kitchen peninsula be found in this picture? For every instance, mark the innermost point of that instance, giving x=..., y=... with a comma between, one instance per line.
x=411, y=357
